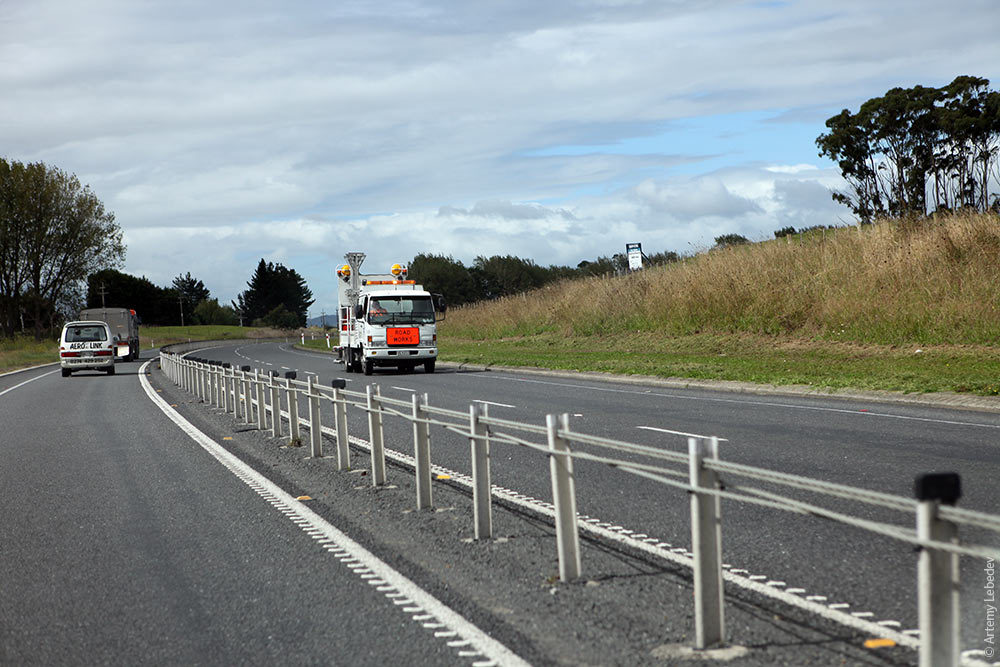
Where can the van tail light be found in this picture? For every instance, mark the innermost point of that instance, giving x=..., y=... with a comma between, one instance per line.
x=102, y=353
x=69, y=354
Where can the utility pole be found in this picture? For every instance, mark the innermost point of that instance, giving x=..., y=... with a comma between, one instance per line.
x=102, y=291
x=180, y=302
x=324, y=319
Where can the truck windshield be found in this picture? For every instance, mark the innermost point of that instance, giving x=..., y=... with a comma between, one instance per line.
x=400, y=310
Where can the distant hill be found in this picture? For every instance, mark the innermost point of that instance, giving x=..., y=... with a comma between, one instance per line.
x=331, y=321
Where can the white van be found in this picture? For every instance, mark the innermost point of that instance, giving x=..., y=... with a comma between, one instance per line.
x=87, y=345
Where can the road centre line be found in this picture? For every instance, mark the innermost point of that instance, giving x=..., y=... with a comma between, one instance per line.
x=738, y=401
x=456, y=624
x=404, y=389
x=689, y=435
x=37, y=377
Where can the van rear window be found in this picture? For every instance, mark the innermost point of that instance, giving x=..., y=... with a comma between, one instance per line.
x=86, y=334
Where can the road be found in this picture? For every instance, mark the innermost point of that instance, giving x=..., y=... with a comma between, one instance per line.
x=123, y=540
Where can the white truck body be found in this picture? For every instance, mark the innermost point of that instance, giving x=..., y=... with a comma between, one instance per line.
x=392, y=322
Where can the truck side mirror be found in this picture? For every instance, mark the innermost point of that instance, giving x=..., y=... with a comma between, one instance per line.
x=439, y=303
x=359, y=311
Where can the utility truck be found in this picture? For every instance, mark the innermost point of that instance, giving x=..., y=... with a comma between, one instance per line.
x=385, y=319
x=124, y=324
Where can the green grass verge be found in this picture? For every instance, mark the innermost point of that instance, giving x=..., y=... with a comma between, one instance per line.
x=25, y=351
x=747, y=358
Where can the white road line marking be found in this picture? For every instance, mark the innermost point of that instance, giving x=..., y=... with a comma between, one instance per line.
x=499, y=405
x=459, y=626
x=37, y=377
x=712, y=399
x=404, y=389
x=688, y=435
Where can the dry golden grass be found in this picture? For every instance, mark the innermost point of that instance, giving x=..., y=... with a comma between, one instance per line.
x=895, y=282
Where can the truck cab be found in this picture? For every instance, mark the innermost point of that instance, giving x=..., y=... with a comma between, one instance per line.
x=393, y=323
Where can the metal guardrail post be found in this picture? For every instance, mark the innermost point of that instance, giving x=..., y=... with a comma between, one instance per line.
x=275, y=406
x=294, y=434
x=247, y=403
x=315, y=427
x=422, y=451
x=706, y=541
x=226, y=383
x=481, y=498
x=564, y=498
x=203, y=381
x=259, y=394
x=340, y=421
x=213, y=377
x=375, y=435
x=217, y=393
x=937, y=572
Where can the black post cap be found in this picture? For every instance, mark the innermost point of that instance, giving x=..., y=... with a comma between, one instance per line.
x=290, y=375
x=339, y=383
x=943, y=486
x=245, y=369
x=272, y=373
x=226, y=364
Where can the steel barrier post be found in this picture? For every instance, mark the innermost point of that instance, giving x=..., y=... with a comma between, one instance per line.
x=247, y=401
x=315, y=428
x=213, y=383
x=260, y=395
x=422, y=451
x=275, y=407
x=375, y=434
x=217, y=382
x=482, y=499
x=293, y=408
x=564, y=498
x=937, y=572
x=706, y=540
x=225, y=386
x=202, y=381
x=340, y=421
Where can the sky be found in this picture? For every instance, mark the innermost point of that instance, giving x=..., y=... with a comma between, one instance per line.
x=221, y=133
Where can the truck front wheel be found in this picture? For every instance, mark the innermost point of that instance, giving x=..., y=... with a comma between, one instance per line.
x=369, y=366
x=429, y=366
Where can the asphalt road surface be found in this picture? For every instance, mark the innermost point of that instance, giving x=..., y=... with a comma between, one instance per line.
x=122, y=540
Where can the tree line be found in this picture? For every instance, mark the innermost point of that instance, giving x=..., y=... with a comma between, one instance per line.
x=275, y=296
x=502, y=275
x=914, y=151
x=60, y=251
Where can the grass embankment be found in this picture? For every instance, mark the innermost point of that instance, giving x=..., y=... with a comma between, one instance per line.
x=25, y=351
x=844, y=308
x=150, y=337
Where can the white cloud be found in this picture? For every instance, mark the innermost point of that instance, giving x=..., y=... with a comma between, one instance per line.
x=221, y=133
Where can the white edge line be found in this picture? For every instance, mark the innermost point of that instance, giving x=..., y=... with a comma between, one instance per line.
x=489, y=647
x=9, y=389
x=29, y=368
